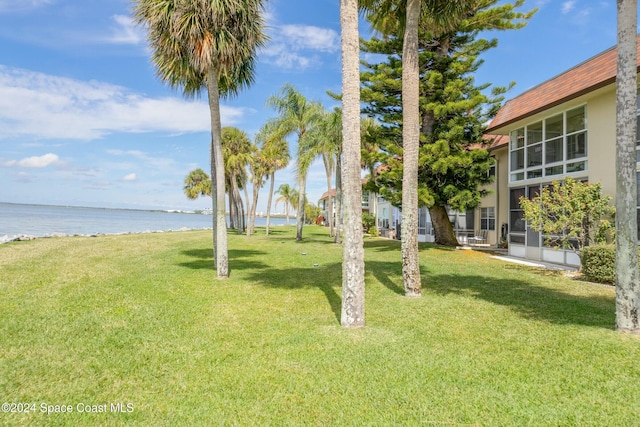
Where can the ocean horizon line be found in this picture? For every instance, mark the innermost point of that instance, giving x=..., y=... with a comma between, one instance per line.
x=203, y=211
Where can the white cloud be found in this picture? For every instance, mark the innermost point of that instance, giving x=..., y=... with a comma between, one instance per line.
x=568, y=6
x=310, y=37
x=284, y=57
x=22, y=5
x=34, y=162
x=50, y=107
x=130, y=177
x=297, y=46
x=126, y=31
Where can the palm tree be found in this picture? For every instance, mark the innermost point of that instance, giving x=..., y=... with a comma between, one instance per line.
x=236, y=148
x=440, y=14
x=296, y=116
x=197, y=184
x=325, y=141
x=352, y=313
x=286, y=193
x=370, y=149
x=259, y=167
x=275, y=151
x=295, y=202
x=208, y=45
x=627, y=284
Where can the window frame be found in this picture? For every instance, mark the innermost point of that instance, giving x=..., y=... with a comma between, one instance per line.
x=488, y=218
x=528, y=157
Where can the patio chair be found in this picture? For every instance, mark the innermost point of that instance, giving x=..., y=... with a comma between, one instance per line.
x=478, y=238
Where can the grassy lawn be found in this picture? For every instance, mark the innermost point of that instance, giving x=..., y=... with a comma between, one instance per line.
x=141, y=320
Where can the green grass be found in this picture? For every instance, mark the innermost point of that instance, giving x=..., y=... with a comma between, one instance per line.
x=142, y=319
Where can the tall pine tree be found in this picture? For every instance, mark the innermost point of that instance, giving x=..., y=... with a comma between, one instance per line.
x=454, y=162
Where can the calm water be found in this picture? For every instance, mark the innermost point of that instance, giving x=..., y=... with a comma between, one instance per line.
x=43, y=220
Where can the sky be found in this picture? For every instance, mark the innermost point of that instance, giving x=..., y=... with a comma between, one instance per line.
x=84, y=120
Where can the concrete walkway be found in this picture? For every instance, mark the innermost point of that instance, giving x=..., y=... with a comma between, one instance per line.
x=538, y=264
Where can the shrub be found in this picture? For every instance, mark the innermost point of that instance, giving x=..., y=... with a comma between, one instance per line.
x=599, y=263
x=368, y=221
x=572, y=214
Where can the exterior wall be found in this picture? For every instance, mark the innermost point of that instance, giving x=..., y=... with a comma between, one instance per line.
x=369, y=205
x=497, y=197
x=601, y=135
x=388, y=218
x=502, y=190
x=601, y=125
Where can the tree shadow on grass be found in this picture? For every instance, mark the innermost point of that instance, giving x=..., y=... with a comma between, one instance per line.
x=239, y=259
x=524, y=297
x=314, y=240
x=382, y=245
x=387, y=273
x=273, y=231
x=325, y=278
x=531, y=301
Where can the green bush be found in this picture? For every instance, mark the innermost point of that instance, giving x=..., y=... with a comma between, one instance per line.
x=599, y=263
x=368, y=221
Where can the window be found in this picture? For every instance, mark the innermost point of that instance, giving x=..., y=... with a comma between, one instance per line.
x=516, y=157
x=556, y=145
x=554, y=151
x=492, y=171
x=487, y=219
x=517, y=226
x=365, y=199
x=518, y=232
x=462, y=222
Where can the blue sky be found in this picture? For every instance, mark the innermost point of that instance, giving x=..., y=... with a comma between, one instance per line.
x=84, y=121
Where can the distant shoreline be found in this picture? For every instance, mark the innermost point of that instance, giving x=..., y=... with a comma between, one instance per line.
x=205, y=211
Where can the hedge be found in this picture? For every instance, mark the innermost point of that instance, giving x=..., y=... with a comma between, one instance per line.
x=599, y=263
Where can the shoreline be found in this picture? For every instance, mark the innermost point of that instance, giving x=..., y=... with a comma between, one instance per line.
x=27, y=237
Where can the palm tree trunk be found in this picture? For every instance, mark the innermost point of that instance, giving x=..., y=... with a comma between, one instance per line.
x=327, y=169
x=252, y=211
x=338, y=217
x=352, y=314
x=232, y=211
x=271, y=185
x=411, y=144
x=302, y=183
x=217, y=170
x=627, y=286
x=286, y=209
x=239, y=211
x=214, y=204
x=247, y=212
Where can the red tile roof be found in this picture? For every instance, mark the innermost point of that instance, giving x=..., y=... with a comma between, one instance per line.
x=586, y=77
x=333, y=193
x=496, y=140
x=326, y=194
